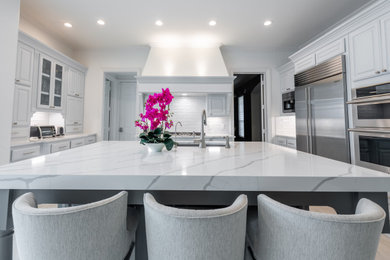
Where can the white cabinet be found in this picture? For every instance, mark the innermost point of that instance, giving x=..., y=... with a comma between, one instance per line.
x=50, y=83
x=385, y=33
x=365, y=51
x=291, y=143
x=217, y=105
x=18, y=154
x=75, y=83
x=90, y=139
x=74, y=111
x=286, y=141
x=305, y=63
x=77, y=142
x=60, y=146
x=24, y=65
x=22, y=106
x=330, y=50
x=287, y=81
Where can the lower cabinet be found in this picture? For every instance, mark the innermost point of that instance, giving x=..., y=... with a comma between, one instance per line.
x=58, y=147
x=27, y=151
x=286, y=141
x=76, y=142
x=19, y=154
x=90, y=139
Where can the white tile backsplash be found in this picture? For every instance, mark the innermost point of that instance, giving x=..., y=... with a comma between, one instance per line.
x=46, y=118
x=188, y=110
x=285, y=126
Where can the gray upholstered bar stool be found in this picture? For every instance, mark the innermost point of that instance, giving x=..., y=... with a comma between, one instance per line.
x=283, y=232
x=176, y=234
x=99, y=230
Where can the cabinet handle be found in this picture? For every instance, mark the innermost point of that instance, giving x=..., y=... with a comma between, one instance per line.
x=384, y=70
x=27, y=153
x=76, y=123
x=377, y=72
x=76, y=94
x=17, y=80
x=62, y=147
x=52, y=107
x=15, y=123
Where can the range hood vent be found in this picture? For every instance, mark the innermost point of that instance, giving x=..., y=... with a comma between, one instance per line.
x=185, y=62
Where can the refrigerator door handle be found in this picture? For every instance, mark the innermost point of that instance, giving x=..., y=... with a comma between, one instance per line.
x=308, y=120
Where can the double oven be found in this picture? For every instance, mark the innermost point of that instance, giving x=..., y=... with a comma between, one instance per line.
x=371, y=126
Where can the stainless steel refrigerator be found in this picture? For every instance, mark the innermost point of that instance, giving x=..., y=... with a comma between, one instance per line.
x=321, y=110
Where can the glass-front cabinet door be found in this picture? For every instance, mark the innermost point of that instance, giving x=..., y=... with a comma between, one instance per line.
x=51, y=76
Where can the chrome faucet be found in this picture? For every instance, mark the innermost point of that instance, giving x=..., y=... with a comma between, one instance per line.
x=202, y=143
x=178, y=123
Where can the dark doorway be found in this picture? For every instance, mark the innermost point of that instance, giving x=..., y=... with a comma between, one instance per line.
x=248, y=100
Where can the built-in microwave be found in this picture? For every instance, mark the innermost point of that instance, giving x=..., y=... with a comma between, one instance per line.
x=371, y=106
x=288, y=100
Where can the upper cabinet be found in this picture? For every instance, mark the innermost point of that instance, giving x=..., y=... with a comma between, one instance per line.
x=330, y=50
x=22, y=106
x=50, y=83
x=305, y=63
x=385, y=32
x=365, y=52
x=24, y=65
x=75, y=83
x=217, y=105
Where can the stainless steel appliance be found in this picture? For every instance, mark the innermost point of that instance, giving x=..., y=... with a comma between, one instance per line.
x=48, y=131
x=321, y=112
x=288, y=102
x=371, y=126
x=371, y=106
x=372, y=148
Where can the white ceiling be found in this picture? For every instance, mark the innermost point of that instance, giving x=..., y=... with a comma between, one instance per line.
x=239, y=22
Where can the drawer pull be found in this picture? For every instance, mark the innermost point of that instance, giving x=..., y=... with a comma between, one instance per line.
x=27, y=153
x=15, y=123
x=384, y=70
x=76, y=94
x=52, y=107
x=62, y=147
x=76, y=123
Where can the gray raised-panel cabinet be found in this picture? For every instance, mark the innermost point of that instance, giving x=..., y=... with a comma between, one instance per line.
x=365, y=51
x=24, y=65
x=75, y=83
x=50, y=83
x=74, y=114
x=22, y=106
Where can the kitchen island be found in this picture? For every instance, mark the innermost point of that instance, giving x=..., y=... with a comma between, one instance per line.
x=213, y=176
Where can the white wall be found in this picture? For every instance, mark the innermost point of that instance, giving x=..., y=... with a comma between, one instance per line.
x=130, y=59
x=35, y=31
x=9, y=20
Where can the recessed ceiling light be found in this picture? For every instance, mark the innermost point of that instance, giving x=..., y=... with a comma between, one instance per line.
x=101, y=22
x=159, y=23
x=267, y=23
x=212, y=23
x=69, y=25
x=184, y=94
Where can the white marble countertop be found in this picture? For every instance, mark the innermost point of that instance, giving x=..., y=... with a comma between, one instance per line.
x=49, y=140
x=245, y=167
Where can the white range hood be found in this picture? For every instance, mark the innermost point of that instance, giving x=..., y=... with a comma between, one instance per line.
x=185, y=69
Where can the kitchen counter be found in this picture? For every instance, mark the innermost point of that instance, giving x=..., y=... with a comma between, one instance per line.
x=187, y=176
x=247, y=166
